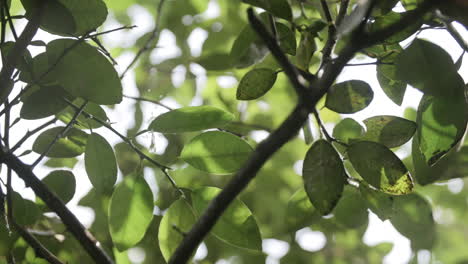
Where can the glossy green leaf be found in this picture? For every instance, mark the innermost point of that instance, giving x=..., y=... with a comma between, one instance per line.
x=67, y=146
x=130, y=211
x=324, y=176
x=441, y=124
x=100, y=163
x=216, y=152
x=429, y=68
x=237, y=225
x=70, y=17
x=391, y=131
x=279, y=8
x=300, y=212
x=347, y=130
x=177, y=219
x=255, y=83
x=351, y=210
x=84, y=122
x=380, y=167
x=412, y=217
x=378, y=202
x=349, y=97
x=193, y=118
x=84, y=72
x=62, y=183
x=43, y=101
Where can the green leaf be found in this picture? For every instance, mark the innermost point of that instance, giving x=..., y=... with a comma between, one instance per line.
x=413, y=218
x=287, y=39
x=349, y=97
x=429, y=68
x=391, y=131
x=391, y=18
x=62, y=183
x=67, y=146
x=387, y=76
x=7, y=238
x=193, y=118
x=300, y=212
x=215, y=62
x=25, y=212
x=384, y=6
x=324, y=176
x=237, y=225
x=100, y=163
x=279, y=8
x=61, y=162
x=130, y=211
x=255, y=83
x=70, y=17
x=380, y=167
x=38, y=71
x=247, y=49
x=84, y=72
x=347, y=130
x=441, y=124
x=43, y=101
x=305, y=51
x=84, y=122
x=216, y=152
x=351, y=210
x=178, y=218
x=127, y=159
x=378, y=202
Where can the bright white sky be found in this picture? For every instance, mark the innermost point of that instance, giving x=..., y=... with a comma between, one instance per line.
x=311, y=240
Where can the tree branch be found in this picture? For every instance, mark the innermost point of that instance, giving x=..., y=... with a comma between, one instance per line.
x=83, y=236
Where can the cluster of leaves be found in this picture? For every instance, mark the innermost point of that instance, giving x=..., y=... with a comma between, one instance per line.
x=345, y=174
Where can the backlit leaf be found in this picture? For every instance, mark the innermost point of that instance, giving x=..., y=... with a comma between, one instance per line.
x=347, y=130
x=67, y=146
x=324, y=176
x=216, y=152
x=255, y=83
x=300, y=211
x=378, y=202
x=130, y=211
x=192, y=118
x=100, y=163
x=349, y=97
x=62, y=183
x=391, y=131
x=380, y=167
x=43, y=101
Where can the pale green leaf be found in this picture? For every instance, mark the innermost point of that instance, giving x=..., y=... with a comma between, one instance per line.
x=100, y=163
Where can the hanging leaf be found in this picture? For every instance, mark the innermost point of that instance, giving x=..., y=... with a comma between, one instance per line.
x=429, y=68
x=387, y=75
x=192, y=118
x=441, y=124
x=84, y=72
x=391, y=131
x=84, y=122
x=349, y=97
x=25, y=212
x=279, y=8
x=247, y=49
x=130, y=211
x=351, y=210
x=347, y=130
x=127, y=159
x=380, y=167
x=379, y=203
x=177, y=221
x=324, y=176
x=67, y=146
x=255, y=83
x=216, y=152
x=43, y=101
x=100, y=163
x=237, y=225
x=412, y=217
x=300, y=212
x=287, y=39
x=62, y=183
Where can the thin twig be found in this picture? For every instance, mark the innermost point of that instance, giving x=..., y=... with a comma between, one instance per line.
x=109, y=31
x=32, y=132
x=322, y=127
x=147, y=100
x=39, y=249
x=154, y=36
x=10, y=21
x=453, y=31
x=61, y=134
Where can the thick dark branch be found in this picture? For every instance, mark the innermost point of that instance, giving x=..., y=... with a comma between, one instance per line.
x=83, y=236
x=40, y=250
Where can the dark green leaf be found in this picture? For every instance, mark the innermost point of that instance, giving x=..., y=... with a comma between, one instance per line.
x=177, y=219
x=25, y=212
x=391, y=131
x=193, y=118
x=255, y=84
x=237, y=225
x=441, y=124
x=324, y=176
x=379, y=203
x=62, y=183
x=43, y=101
x=287, y=39
x=305, y=51
x=216, y=152
x=84, y=72
x=67, y=146
x=83, y=121
x=38, y=71
x=347, y=130
x=388, y=79
x=380, y=167
x=100, y=163
x=130, y=211
x=391, y=18
x=279, y=8
x=247, y=49
x=412, y=217
x=349, y=97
